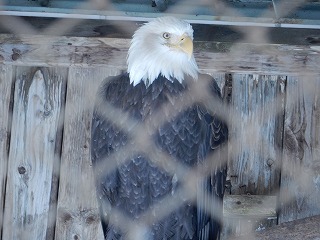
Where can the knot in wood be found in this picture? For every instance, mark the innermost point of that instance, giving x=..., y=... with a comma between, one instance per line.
x=65, y=216
x=16, y=53
x=270, y=162
x=75, y=237
x=22, y=170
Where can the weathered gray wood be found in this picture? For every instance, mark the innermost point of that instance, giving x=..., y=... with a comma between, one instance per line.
x=300, y=173
x=249, y=206
x=255, y=133
x=211, y=56
x=78, y=214
x=34, y=152
x=5, y=95
x=244, y=214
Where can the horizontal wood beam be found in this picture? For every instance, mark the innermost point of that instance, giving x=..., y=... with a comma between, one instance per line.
x=245, y=214
x=249, y=206
x=271, y=59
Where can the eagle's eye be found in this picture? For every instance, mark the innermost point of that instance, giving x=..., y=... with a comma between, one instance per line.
x=166, y=35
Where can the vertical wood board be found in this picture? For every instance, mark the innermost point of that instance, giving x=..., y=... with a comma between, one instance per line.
x=78, y=214
x=300, y=173
x=5, y=95
x=38, y=100
x=255, y=133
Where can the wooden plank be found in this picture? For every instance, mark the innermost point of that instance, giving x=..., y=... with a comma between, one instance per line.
x=271, y=59
x=34, y=152
x=78, y=214
x=5, y=97
x=249, y=206
x=300, y=174
x=245, y=214
x=255, y=133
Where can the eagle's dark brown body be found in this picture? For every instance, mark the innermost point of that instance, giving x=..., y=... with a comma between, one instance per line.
x=138, y=184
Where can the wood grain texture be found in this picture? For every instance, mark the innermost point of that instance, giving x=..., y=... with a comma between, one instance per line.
x=34, y=151
x=300, y=174
x=78, y=214
x=259, y=103
x=5, y=97
x=256, y=113
x=249, y=206
x=246, y=214
x=211, y=56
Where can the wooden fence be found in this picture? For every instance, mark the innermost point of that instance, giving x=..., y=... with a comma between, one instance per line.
x=47, y=86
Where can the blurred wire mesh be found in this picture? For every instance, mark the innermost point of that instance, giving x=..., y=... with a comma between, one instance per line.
x=236, y=14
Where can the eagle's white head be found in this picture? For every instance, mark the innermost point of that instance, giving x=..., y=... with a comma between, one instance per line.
x=163, y=46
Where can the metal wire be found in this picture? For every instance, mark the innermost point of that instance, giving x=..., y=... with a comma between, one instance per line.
x=198, y=92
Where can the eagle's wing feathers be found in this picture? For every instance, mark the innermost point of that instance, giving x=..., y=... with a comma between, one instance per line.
x=137, y=184
x=213, y=185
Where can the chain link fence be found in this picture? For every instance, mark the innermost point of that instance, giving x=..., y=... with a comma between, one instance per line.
x=288, y=103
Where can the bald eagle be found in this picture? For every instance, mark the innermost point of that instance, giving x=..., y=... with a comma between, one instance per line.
x=161, y=68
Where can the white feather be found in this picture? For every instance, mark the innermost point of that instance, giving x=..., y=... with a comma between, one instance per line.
x=149, y=56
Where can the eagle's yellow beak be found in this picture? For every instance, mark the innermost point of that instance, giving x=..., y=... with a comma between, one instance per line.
x=185, y=44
